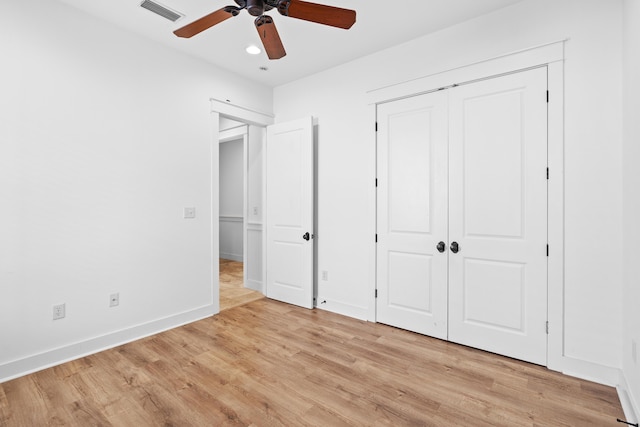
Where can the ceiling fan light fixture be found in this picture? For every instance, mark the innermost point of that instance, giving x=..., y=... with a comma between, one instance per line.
x=253, y=50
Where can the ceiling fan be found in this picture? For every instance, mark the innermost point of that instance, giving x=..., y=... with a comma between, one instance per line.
x=313, y=12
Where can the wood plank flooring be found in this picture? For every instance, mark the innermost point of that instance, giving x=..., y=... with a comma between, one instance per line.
x=232, y=290
x=268, y=363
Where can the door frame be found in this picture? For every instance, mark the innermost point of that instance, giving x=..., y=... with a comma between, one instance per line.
x=552, y=56
x=249, y=117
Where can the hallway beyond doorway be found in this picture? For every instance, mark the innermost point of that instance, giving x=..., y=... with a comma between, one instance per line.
x=232, y=290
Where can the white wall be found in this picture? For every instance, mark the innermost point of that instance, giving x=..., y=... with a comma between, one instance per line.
x=232, y=178
x=631, y=201
x=254, y=250
x=232, y=199
x=104, y=139
x=593, y=148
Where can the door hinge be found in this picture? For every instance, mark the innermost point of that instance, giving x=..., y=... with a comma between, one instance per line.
x=376, y=237
x=547, y=249
x=376, y=182
x=376, y=126
x=547, y=173
x=376, y=293
x=547, y=96
x=547, y=327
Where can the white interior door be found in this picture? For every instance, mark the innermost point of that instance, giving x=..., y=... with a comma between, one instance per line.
x=412, y=214
x=289, y=212
x=498, y=215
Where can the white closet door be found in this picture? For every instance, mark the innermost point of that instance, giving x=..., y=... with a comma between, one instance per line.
x=412, y=214
x=289, y=212
x=498, y=215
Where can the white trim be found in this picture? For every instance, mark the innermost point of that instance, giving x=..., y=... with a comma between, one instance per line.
x=591, y=371
x=506, y=63
x=373, y=206
x=245, y=206
x=233, y=134
x=264, y=211
x=215, y=210
x=38, y=362
x=550, y=55
x=233, y=257
x=628, y=403
x=242, y=114
x=555, y=216
x=341, y=308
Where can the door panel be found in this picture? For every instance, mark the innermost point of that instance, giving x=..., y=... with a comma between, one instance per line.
x=412, y=214
x=493, y=127
x=289, y=212
x=498, y=215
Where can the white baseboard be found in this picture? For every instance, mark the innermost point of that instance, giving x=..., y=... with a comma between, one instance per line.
x=232, y=257
x=256, y=285
x=38, y=362
x=341, y=308
x=630, y=406
x=590, y=371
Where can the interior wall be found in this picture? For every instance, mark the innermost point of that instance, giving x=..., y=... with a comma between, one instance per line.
x=255, y=145
x=593, y=149
x=232, y=199
x=105, y=138
x=631, y=202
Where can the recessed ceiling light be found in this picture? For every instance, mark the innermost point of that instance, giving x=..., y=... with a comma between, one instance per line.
x=253, y=50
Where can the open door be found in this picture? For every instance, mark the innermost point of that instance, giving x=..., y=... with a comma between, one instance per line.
x=289, y=212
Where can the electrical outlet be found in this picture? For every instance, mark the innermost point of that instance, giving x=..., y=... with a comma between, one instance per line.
x=189, y=213
x=58, y=311
x=634, y=352
x=325, y=275
x=255, y=210
x=114, y=300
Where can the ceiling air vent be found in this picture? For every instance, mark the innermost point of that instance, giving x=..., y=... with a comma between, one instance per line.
x=161, y=10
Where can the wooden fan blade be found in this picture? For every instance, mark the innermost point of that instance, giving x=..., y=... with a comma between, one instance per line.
x=270, y=37
x=205, y=22
x=319, y=13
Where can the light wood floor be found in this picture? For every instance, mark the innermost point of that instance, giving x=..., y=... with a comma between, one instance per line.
x=269, y=363
x=232, y=291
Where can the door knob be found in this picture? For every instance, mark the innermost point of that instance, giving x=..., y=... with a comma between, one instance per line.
x=441, y=247
x=306, y=236
x=454, y=247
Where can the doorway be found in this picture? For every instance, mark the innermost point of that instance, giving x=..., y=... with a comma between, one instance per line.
x=261, y=218
x=239, y=202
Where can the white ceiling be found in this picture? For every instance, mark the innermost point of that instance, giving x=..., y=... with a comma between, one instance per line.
x=310, y=47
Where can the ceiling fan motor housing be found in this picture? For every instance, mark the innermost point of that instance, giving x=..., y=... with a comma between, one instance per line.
x=255, y=7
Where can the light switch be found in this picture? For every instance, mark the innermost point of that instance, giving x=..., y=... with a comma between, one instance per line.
x=189, y=213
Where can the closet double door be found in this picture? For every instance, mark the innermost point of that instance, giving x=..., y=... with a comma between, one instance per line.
x=462, y=214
